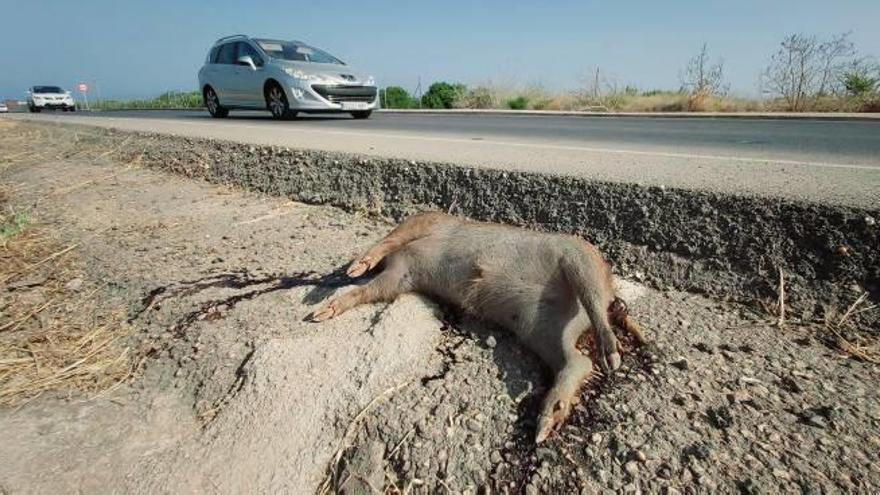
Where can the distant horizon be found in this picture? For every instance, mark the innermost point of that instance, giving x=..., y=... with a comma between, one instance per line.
x=138, y=50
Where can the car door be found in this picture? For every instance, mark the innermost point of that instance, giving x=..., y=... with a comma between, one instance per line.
x=224, y=75
x=249, y=80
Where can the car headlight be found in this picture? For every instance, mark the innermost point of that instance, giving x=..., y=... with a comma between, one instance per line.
x=298, y=74
x=371, y=81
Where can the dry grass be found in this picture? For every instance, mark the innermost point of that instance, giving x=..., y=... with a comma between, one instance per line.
x=845, y=332
x=55, y=334
x=539, y=98
x=495, y=95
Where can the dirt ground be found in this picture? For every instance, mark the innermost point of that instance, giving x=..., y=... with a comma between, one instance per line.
x=231, y=391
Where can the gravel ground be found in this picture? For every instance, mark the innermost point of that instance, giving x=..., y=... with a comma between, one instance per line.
x=236, y=393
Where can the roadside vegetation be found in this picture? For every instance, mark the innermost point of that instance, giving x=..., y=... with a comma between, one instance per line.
x=57, y=335
x=806, y=74
x=166, y=101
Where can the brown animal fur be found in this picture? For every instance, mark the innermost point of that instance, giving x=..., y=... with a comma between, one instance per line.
x=547, y=288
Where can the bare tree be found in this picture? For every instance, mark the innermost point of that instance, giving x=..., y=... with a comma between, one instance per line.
x=833, y=56
x=702, y=77
x=805, y=67
x=793, y=70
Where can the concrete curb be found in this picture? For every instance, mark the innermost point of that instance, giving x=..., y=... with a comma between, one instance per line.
x=724, y=245
x=728, y=246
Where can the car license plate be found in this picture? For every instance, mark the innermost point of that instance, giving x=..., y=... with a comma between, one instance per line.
x=354, y=105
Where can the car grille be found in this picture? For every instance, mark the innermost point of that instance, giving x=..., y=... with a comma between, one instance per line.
x=339, y=93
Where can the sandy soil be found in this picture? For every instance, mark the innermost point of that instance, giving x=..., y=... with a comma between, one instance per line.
x=236, y=393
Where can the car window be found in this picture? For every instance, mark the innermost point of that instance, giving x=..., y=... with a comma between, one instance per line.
x=212, y=58
x=247, y=49
x=47, y=89
x=226, y=53
x=296, y=52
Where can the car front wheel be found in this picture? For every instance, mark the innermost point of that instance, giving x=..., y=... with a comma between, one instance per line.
x=212, y=102
x=365, y=114
x=276, y=102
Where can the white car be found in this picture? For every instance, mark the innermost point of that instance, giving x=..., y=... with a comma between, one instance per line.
x=3, y=107
x=50, y=97
x=284, y=77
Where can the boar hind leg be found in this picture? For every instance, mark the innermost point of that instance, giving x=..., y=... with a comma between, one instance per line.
x=556, y=345
x=563, y=395
x=386, y=286
x=414, y=227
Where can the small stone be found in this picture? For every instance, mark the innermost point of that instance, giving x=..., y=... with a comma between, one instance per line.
x=474, y=425
x=74, y=285
x=544, y=454
x=704, y=347
x=781, y=474
x=697, y=450
x=491, y=342
x=817, y=421
x=720, y=417
x=629, y=488
x=869, y=221
x=632, y=468
x=681, y=363
x=596, y=438
x=747, y=487
x=495, y=457
x=665, y=472
x=668, y=490
x=738, y=396
x=791, y=385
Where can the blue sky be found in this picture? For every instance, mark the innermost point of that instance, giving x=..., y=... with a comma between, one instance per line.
x=134, y=48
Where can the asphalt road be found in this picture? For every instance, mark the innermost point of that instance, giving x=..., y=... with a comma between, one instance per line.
x=817, y=160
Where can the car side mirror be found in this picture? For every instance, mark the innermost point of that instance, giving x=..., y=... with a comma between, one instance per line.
x=247, y=60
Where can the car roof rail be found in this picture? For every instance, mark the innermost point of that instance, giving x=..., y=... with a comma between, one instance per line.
x=231, y=37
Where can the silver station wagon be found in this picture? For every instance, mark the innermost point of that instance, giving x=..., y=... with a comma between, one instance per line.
x=284, y=77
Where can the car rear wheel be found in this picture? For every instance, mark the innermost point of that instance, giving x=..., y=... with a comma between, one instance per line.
x=276, y=102
x=364, y=114
x=34, y=109
x=212, y=102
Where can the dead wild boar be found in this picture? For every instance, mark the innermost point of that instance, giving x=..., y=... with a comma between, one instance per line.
x=549, y=289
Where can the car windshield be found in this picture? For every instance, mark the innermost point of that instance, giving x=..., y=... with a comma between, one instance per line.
x=47, y=89
x=297, y=52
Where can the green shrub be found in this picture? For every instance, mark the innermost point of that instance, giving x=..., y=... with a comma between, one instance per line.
x=859, y=84
x=12, y=224
x=443, y=95
x=660, y=92
x=518, y=103
x=397, y=97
